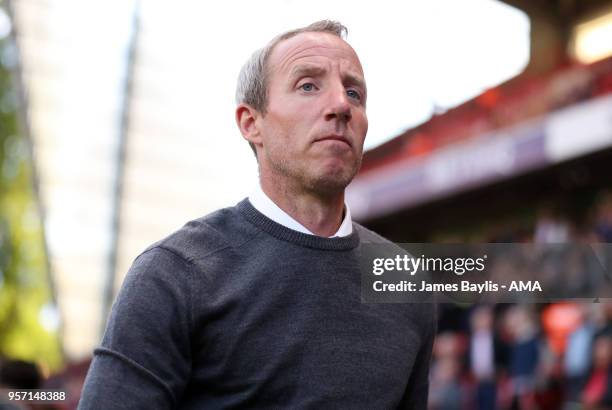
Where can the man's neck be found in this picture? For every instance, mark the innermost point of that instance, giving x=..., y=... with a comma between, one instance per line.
x=321, y=215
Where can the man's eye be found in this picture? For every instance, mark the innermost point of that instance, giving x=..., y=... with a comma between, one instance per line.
x=353, y=94
x=307, y=87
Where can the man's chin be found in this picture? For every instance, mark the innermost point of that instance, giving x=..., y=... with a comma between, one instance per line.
x=332, y=183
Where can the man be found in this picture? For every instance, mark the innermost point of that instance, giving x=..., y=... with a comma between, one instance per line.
x=258, y=305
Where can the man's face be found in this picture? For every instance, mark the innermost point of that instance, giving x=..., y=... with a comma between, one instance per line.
x=315, y=122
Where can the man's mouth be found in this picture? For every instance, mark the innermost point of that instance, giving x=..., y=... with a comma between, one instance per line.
x=334, y=137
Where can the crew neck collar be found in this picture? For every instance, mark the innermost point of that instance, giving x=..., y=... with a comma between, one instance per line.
x=299, y=238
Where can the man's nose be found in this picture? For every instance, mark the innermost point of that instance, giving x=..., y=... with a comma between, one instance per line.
x=339, y=105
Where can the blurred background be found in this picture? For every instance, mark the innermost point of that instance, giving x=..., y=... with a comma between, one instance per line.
x=490, y=121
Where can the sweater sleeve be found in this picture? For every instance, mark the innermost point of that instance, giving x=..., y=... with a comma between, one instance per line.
x=417, y=390
x=144, y=360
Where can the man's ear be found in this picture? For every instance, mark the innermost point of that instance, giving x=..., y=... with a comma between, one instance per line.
x=246, y=119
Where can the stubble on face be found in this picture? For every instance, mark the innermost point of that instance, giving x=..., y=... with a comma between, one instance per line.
x=304, y=175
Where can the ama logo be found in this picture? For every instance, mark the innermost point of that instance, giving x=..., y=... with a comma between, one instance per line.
x=519, y=286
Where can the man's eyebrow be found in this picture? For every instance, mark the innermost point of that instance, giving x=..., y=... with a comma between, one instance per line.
x=352, y=79
x=307, y=70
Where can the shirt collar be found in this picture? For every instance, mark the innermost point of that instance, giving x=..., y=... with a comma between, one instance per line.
x=266, y=206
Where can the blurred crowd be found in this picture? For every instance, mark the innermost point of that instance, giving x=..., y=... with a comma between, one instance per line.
x=556, y=355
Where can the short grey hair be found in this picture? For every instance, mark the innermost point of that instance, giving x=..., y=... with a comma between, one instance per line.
x=252, y=88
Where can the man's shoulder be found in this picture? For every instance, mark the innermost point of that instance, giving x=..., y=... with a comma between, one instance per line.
x=368, y=236
x=221, y=229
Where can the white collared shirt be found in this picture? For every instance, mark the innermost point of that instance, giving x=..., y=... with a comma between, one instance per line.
x=266, y=206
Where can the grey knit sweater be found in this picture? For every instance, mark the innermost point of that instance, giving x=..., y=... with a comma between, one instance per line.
x=237, y=311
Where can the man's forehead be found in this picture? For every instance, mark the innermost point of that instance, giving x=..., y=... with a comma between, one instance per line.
x=311, y=45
